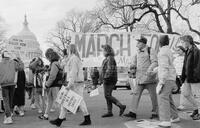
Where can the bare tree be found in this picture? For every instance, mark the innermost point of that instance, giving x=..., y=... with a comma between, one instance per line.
x=74, y=21
x=161, y=11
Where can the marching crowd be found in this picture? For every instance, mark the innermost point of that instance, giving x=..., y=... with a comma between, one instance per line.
x=149, y=70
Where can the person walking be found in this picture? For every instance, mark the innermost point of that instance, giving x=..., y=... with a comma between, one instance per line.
x=8, y=81
x=145, y=61
x=190, y=73
x=95, y=77
x=166, y=84
x=19, y=95
x=178, y=63
x=51, y=84
x=75, y=80
x=109, y=80
x=37, y=67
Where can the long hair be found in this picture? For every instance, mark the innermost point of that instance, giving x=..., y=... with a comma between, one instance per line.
x=164, y=40
x=52, y=55
x=73, y=50
x=109, y=50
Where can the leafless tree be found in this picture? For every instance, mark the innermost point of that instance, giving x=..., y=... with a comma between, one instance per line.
x=160, y=10
x=74, y=21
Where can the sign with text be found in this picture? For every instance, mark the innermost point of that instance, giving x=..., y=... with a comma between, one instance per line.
x=124, y=45
x=68, y=99
x=21, y=48
x=71, y=101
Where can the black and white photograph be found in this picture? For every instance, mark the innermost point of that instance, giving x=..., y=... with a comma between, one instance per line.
x=99, y=64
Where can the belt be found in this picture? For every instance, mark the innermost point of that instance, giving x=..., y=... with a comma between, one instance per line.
x=79, y=82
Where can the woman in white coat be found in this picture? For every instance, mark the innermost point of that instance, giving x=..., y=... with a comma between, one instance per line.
x=75, y=82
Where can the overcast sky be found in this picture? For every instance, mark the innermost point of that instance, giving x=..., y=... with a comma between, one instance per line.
x=42, y=15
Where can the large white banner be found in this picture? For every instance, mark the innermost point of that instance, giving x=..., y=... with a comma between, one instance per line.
x=124, y=44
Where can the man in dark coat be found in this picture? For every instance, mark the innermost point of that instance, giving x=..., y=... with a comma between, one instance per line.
x=190, y=73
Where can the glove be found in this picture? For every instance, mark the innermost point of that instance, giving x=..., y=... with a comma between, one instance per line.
x=159, y=88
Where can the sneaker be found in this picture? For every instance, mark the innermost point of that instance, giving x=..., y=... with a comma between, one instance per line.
x=196, y=117
x=194, y=113
x=131, y=115
x=39, y=111
x=33, y=106
x=181, y=108
x=176, y=120
x=107, y=115
x=21, y=113
x=165, y=124
x=8, y=120
x=42, y=117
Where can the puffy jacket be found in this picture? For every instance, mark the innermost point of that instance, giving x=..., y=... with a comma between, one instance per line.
x=7, y=72
x=166, y=69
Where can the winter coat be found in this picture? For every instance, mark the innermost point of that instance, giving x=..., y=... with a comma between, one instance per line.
x=109, y=71
x=166, y=69
x=191, y=66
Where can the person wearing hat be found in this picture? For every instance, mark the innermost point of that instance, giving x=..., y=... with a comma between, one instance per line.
x=167, y=83
x=145, y=61
x=8, y=69
x=190, y=73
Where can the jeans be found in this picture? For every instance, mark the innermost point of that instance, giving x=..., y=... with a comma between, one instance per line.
x=109, y=98
x=8, y=94
x=137, y=95
x=186, y=91
x=167, y=109
x=51, y=97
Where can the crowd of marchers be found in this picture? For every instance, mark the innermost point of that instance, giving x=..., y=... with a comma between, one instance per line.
x=151, y=70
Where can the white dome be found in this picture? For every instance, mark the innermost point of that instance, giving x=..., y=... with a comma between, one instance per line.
x=26, y=33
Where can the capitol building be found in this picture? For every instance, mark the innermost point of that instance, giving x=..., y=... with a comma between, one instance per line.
x=24, y=44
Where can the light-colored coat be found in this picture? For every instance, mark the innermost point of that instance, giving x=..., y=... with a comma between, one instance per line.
x=7, y=72
x=74, y=70
x=166, y=69
x=144, y=63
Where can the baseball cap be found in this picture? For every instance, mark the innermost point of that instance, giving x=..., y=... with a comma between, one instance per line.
x=142, y=39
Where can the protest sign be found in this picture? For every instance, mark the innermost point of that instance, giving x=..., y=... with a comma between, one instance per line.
x=61, y=94
x=71, y=101
x=94, y=92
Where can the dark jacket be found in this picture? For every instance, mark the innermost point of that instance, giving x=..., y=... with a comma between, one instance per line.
x=95, y=76
x=109, y=71
x=191, y=67
x=53, y=76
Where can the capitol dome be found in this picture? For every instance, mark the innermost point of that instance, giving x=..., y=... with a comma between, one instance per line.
x=24, y=44
x=26, y=34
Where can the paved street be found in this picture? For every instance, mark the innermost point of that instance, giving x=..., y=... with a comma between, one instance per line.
x=97, y=107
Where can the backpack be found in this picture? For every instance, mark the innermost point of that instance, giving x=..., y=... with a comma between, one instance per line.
x=60, y=77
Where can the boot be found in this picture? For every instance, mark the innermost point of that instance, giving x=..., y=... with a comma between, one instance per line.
x=57, y=122
x=131, y=115
x=86, y=121
x=194, y=113
x=122, y=109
